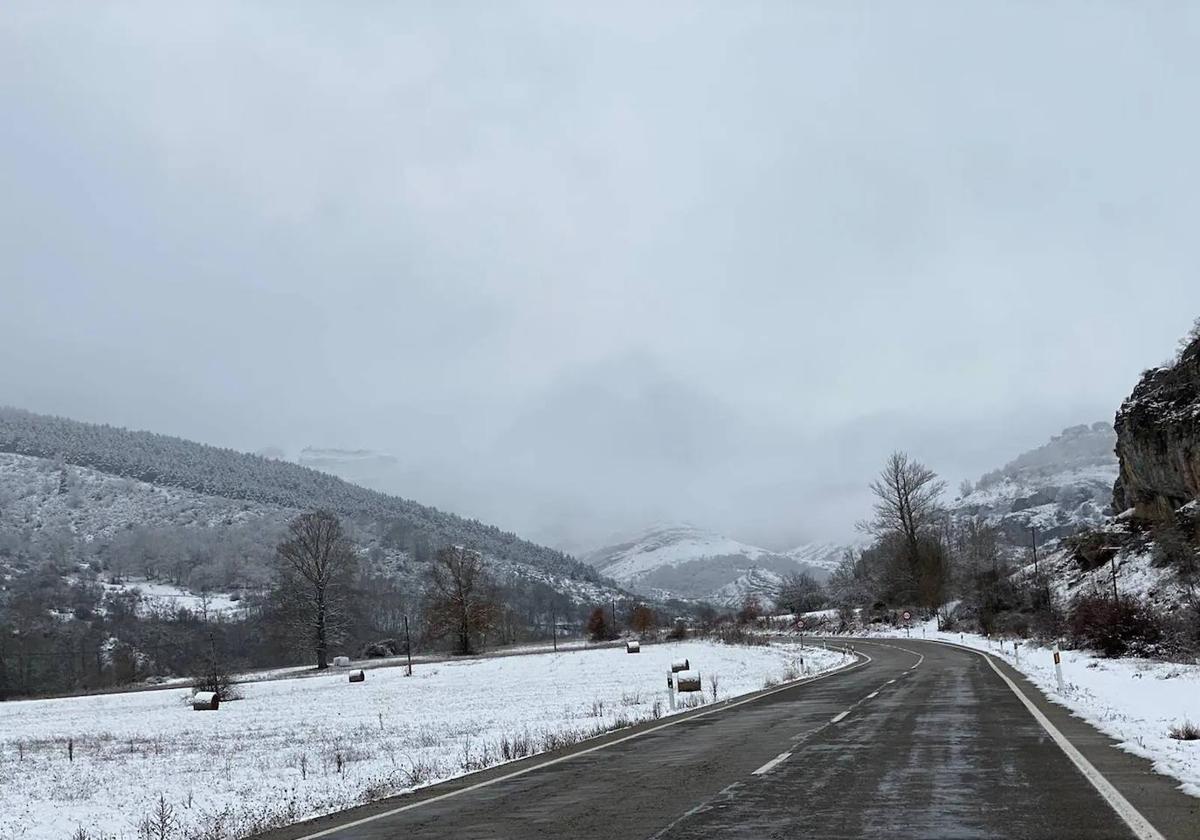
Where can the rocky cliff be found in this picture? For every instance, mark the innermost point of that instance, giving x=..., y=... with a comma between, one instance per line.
x=1158, y=440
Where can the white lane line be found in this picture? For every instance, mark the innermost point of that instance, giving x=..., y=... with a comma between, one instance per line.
x=839, y=716
x=851, y=666
x=1138, y=824
x=889, y=682
x=772, y=764
x=872, y=695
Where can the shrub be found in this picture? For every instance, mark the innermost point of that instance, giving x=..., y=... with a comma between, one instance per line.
x=1115, y=627
x=735, y=634
x=214, y=677
x=1186, y=731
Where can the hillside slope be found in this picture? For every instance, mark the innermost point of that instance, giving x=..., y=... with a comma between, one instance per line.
x=92, y=481
x=1059, y=488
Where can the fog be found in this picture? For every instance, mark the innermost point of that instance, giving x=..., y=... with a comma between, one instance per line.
x=579, y=269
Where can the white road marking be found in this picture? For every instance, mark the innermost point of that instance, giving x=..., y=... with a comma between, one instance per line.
x=1138, y=824
x=872, y=695
x=839, y=716
x=866, y=660
x=889, y=682
x=772, y=764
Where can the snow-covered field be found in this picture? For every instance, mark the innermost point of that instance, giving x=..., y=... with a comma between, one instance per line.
x=1135, y=701
x=296, y=748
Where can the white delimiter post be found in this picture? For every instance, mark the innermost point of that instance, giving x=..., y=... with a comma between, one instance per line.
x=1058, y=671
x=671, y=689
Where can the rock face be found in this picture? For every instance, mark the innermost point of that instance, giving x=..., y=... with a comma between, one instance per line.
x=1158, y=440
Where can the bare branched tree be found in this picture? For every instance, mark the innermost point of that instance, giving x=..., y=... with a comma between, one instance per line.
x=908, y=525
x=314, y=565
x=461, y=597
x=908, y=499
x=642, y=619
x=799, y=592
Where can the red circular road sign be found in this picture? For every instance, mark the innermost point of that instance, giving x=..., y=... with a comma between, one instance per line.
x=906, y=615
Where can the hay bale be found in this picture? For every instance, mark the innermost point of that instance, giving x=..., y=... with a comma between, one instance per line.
x=687, y=681
x=633, y=647
x=358, y=676
x=680, y=665
x=341, y=662
x=205, y=701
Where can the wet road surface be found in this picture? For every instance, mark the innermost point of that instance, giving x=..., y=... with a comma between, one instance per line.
x=917, y=740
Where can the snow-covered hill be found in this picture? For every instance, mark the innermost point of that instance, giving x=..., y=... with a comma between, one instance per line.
x=689, y=562
x=135, y=504
x=1059, y=488
x=819, y=555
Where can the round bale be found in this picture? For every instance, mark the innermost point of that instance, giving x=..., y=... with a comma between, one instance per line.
x=633, y=647
x=358, y=676
x=205, y=701
x=687, y=681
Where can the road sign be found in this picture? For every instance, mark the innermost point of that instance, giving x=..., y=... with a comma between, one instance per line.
x=906, y=615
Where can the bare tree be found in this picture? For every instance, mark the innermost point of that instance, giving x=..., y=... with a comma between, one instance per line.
x=908, y=496
x=461, y=597
x=599, y=627
x=908, y=524
x=642, y=620
x=799, y=592
x=314, y=564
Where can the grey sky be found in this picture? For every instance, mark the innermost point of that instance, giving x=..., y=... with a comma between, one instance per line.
x=579, y=269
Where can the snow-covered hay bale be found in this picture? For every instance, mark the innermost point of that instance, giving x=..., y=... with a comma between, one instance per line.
x=680, y=665
x=341, y=662
x=205, y=701
x=633, y=647
x=358, y=676
x=687, y=681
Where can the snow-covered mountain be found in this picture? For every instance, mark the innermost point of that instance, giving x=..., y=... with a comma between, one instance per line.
x=685, y=561
x=1058, y=488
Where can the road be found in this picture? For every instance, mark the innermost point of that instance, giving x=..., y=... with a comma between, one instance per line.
x=916, y=740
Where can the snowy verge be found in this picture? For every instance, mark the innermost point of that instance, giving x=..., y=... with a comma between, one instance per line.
x=1134, y=701
x=297, y=748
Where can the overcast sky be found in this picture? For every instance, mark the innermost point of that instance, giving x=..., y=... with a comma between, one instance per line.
x=581, y=267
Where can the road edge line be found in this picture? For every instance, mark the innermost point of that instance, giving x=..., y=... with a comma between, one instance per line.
x=866, y=660
x=1142, y=828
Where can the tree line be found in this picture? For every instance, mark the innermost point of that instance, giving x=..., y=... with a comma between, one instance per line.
x=324, y=595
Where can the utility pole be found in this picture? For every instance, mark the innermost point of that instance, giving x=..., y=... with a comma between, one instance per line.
x=554, y=627
x=1036, y=575
x=1113, y=562
x=614, y=617
x=408, y=645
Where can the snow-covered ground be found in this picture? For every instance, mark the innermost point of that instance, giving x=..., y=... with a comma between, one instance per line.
x=159, y=596
x=1135, y=701
x=296, y=748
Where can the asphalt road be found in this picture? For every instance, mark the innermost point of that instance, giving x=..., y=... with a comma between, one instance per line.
x=917, y=740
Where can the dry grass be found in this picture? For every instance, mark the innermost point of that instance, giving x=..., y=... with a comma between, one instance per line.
x=1186, y=731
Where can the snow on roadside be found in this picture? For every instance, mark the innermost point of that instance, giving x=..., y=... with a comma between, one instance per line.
x=300, y=747
x=1135, y=701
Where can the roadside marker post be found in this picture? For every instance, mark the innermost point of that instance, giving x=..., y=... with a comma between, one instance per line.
x=1058, y=671
x=671, y=688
